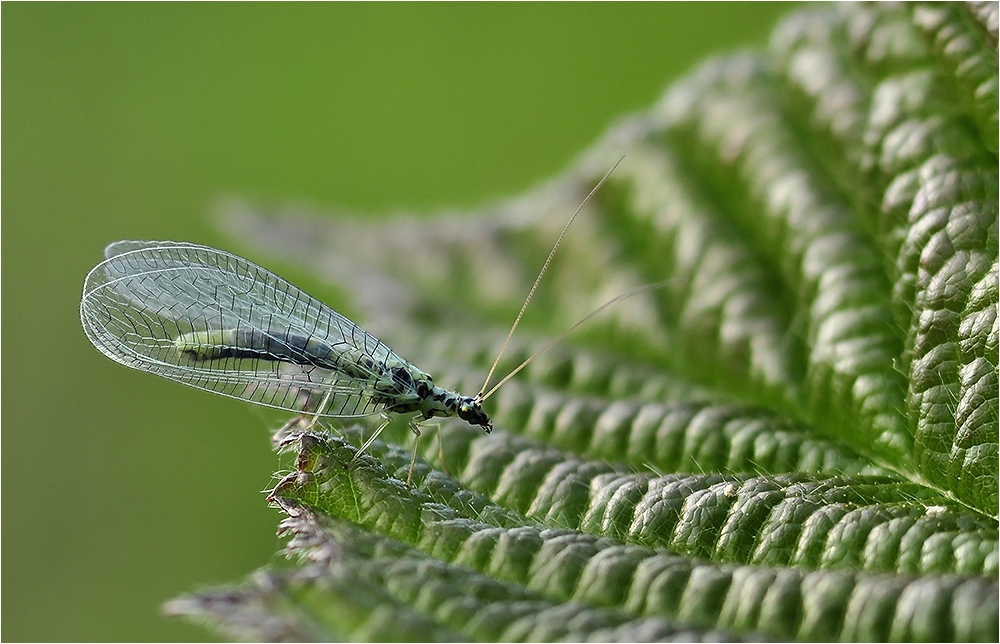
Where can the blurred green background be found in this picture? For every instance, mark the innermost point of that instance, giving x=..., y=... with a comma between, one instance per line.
x=121, y=490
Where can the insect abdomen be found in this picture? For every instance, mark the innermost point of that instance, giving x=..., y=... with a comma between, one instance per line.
x=253, y=343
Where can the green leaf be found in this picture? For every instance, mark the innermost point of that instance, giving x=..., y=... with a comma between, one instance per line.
x=795, y=438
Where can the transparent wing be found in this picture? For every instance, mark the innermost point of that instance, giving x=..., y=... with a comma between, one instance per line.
x=271, y=343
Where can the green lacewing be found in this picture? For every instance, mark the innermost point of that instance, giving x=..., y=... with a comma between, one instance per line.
x=216, y=321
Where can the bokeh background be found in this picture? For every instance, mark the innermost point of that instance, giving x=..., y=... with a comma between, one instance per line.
x=121, y=490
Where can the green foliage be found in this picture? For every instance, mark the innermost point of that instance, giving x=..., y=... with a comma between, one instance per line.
x=795, y=438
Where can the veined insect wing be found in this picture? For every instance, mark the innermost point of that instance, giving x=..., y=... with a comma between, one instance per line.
x=218, y=322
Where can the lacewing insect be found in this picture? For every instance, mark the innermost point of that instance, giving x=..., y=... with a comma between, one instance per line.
x=215, y=321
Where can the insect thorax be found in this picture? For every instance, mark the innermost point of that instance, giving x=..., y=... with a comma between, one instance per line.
x=431, y=400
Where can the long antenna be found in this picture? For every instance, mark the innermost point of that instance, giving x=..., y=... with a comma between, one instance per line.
x=534, y=286
x=555, y=340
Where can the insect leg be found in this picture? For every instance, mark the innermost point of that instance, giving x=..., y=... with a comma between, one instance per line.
x=319, y=410
x=306, y=420
x=440, y=432
x=371, y=439
x=292, y=427
x=413, y=458
x=415, y=428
